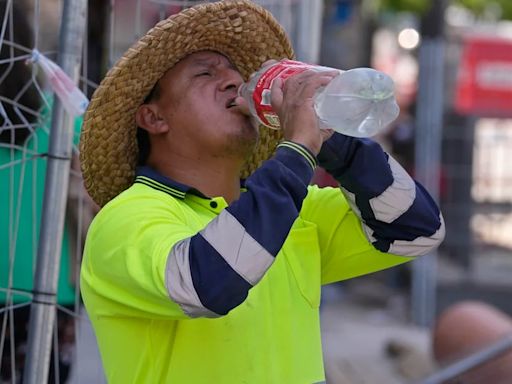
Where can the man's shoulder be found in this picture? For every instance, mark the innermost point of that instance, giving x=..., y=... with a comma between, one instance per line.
x=137, y=204
x=140, y=195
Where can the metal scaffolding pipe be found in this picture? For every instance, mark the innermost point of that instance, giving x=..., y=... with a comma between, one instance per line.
x=43, y=310
x=429, y=121
x=483, y=356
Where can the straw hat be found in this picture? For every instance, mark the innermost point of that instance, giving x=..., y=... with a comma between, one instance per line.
x=238, y=29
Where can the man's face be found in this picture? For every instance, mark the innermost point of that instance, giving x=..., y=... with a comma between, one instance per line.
x=197, y=102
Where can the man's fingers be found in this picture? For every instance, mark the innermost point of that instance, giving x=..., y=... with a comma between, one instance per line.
x=308, y=74
x=309, y=88
x=305, y=84
x=298, y=88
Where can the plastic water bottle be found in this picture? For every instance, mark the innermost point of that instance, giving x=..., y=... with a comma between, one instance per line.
x=359, y=102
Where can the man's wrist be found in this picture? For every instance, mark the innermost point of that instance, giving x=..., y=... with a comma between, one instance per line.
x=337, y=152
x=302, y=150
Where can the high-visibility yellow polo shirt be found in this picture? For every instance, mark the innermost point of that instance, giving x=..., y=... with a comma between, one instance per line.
x=136, y=275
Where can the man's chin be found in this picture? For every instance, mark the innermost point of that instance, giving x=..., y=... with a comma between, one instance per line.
x=248, y=142
x=242, y=144
x=249, y=130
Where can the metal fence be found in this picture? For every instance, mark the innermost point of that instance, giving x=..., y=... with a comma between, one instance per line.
x=32, y=220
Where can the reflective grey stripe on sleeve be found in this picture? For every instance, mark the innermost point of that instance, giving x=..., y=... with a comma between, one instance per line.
x=397, y=198
x=243, y=254
x=368, y=232
x=178, y=281
x=420, y=245
x=351, y=199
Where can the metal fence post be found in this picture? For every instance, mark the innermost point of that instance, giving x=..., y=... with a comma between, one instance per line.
x=43, y=311
x=309, y=30
x=429, y=120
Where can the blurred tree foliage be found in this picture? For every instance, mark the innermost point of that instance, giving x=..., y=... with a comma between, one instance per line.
x=416, y=6
x=476, y=6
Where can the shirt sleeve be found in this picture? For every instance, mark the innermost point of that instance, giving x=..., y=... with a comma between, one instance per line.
x=397, y=214
x=345, y=250
x=125, y=257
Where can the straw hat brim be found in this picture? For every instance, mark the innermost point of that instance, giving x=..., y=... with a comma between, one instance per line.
x=239, y=29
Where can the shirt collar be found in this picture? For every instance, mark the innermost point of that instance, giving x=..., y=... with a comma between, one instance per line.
x=154, y=179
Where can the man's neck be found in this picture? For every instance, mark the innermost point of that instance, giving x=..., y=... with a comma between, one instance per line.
x=212, y=177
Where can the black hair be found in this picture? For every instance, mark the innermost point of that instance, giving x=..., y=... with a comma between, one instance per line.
x=143, y=142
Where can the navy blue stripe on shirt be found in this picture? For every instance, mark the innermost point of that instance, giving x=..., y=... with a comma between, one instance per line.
x=420, y=220
x=359, y=165
x=365, y=170
x=274, y=198
x=218, y=286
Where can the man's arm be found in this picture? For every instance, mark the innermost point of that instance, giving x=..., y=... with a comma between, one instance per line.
x=210, y=273
x=397, y=214
x=234, y=251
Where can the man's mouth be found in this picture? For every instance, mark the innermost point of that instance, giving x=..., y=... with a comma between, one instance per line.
x=238, y=104
x=231, y=103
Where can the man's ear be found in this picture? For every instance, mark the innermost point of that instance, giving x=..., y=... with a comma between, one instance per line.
x=148, y=118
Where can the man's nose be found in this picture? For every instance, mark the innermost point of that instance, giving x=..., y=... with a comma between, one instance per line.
x=231, y=79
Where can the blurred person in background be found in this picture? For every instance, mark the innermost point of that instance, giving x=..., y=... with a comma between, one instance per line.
x=205, y=262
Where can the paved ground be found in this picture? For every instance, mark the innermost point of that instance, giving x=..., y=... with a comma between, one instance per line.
x=357, y=337
x=356, y=333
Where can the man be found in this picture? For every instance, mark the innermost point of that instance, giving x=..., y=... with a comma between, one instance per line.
x=189, y=277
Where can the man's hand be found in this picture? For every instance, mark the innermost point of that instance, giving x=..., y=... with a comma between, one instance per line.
x=294, y=104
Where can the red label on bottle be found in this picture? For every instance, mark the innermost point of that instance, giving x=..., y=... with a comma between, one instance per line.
x=261, y=96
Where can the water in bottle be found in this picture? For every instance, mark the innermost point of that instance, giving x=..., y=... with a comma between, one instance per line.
x=359, y=102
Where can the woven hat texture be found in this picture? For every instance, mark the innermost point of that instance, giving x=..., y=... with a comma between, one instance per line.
x=239, y=29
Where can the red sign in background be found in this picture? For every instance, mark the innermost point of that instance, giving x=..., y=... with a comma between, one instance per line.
x=484, y=84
